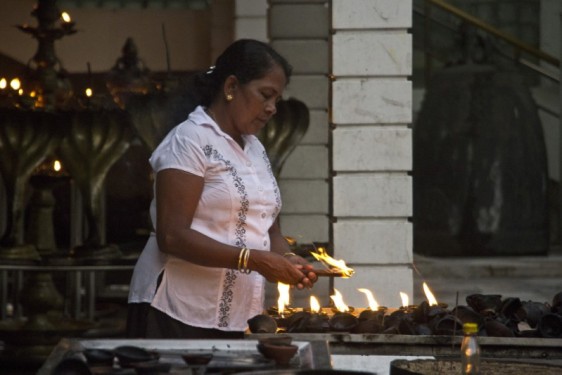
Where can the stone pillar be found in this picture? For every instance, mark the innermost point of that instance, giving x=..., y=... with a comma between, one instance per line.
x=250, y=20
x=371, y=113
x=299, y=30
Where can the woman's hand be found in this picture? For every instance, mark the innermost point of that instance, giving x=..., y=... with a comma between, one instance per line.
x=277, y=268
x=305, y=267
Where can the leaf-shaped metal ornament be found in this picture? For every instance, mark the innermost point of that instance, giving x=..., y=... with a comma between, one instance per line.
x=157, y=112
x=96, y=140
x=26, y=137
x=284, y=131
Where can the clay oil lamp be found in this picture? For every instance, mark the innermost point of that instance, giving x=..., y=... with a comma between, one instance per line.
x=370, y=320
x=262, y=323
x=429, y=309
x=282, y=311
x=311, y=320
x=393, y=321
x=280, y=353
x=343, y=320
x=550, y=325
x=485, y=304
x=318, y=321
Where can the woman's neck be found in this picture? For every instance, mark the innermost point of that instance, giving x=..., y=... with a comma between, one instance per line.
x=223, y=122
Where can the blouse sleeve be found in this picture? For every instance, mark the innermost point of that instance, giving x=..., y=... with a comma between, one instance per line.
x=179, y=152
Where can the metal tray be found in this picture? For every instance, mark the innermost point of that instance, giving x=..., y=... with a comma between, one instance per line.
x=229, y=355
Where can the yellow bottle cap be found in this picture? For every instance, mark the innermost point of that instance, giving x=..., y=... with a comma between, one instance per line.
x=470, y=327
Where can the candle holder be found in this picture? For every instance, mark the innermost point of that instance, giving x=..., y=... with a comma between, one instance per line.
x=40, y=231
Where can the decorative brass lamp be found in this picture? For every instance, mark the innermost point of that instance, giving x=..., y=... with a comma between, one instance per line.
x=46, y=76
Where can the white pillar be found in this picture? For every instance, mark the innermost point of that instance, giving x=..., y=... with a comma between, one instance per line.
x=299, y=30
x=371, y=110
x=250, y=19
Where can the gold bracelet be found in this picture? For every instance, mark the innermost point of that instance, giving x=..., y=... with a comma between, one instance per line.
x=243, y=260
x=246, y=270
x=290, y=255
x=240, y=258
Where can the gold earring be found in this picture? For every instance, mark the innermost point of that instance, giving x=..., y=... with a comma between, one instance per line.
x=229, y=97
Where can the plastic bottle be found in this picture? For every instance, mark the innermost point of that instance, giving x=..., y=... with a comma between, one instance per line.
x=470, y=350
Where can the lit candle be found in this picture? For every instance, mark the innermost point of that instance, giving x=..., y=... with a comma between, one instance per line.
x=15, y=84
x=65, y=17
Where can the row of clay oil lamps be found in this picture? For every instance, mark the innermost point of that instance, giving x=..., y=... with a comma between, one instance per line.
x=497, y=317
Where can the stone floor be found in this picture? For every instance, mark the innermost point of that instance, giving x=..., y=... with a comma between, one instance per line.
x=530, y=278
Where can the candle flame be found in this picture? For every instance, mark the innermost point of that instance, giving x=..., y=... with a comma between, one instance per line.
x=332, y=263
x=89, y=92
x=33, y=94
x=405, y=299
x=15, y=84
x=373, y=305
x=430, y=298
x=65, y=17
x=291, y=240
x=20, y=92
x=338, y=301
x=57, y=166
x=3, y=83
x=314, y=304
x=284, y=298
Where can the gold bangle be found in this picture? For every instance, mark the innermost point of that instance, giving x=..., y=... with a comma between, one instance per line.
x=245, y=269
x=243, y=258
x=290, y=255
x=240, y=257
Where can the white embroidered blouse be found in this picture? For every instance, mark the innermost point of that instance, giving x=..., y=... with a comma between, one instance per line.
x=239, y=203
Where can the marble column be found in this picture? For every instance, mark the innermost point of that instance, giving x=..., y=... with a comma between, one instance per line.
x=371, y=115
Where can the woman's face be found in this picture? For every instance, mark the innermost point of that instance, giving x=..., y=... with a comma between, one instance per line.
x=255, y=102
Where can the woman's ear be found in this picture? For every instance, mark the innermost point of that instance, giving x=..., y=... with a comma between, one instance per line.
x=230, y=85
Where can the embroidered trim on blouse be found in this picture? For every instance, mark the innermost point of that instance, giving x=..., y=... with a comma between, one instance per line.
x=231, y=275
x=275, y=186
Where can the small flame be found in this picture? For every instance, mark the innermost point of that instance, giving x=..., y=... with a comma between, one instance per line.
x=405, y=299
x=15, y=84
x=373, y=305
x=88, y=92
x=338, y=301
x=65, y=17
x=291, y=240
x=57, y=166
x=430, y=298
x=3, y=83
x=284, y=298
x=332, y=263
x=20, y=92
x=33, y=94
x=314, y=304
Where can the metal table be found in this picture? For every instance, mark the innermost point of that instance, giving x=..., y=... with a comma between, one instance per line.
x=81, y=278
x=311, y=355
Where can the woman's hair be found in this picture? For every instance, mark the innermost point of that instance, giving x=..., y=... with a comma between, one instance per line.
x=246, y=59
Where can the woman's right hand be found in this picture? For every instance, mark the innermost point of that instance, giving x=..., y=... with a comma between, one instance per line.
x=277, y=268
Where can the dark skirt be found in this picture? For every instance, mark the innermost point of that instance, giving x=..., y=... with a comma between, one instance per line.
x=144, y=321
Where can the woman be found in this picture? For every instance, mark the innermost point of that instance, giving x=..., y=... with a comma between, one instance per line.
x=215, y=208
